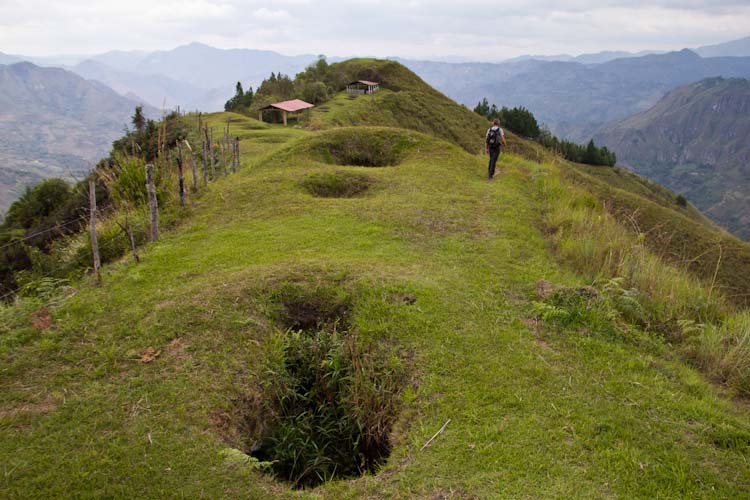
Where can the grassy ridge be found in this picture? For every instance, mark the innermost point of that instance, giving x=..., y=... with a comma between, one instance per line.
x=147, y=387
x=536, y=410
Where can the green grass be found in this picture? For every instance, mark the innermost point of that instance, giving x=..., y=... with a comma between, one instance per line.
x=430, y=113
x=678, y=235
x=537, y=410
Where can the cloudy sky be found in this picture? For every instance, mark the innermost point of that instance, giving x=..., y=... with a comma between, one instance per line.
x=473, y=29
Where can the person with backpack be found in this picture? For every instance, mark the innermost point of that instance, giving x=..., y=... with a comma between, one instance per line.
x=493, y=140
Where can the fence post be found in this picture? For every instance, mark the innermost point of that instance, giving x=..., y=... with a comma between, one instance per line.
x=205, y=163
x=224, y=147
x=180, y=175
x=213, y=158
x=153, y=204
x=92, y=221
x=237, y=152
x=192, y=166
x=129, y=233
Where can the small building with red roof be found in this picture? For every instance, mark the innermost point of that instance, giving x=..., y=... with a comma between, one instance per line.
x=362, y=87
x=286, y=107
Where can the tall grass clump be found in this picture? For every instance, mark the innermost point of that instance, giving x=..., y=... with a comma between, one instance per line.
x=591, y=241
x=647, y=291
x=330, y=404
x=723, y=351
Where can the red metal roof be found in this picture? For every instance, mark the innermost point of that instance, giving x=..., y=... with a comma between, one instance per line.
x=291, y=106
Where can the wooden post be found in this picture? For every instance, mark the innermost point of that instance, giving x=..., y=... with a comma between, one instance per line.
x=260, y=116
x=92, y=221
x=205, y=163
x=236, y=155
x=206, y=150
x=180, y=175
x=213, y=158
x=283, y=113
x=129, y=233
x=225, y=150
x=153, y=204
x=193, y=168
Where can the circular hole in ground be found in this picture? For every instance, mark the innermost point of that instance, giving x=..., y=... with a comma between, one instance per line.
x=328, y=399
x=336, y=184
x=365, y=147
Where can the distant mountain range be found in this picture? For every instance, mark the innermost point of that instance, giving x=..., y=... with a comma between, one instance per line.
x=54, y=123
x=735, y=48
x=193, y=76
x=577, y=97
x=695, y=140
x=575, y=100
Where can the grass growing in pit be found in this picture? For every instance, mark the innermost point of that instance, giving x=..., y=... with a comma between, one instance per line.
x=336, y=184
x=361, y=146
x=328, y=398
x=329, y=406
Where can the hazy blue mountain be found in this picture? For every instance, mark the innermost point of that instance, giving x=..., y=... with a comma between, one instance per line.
x=576, y=99
x=211, y=68
x=590, y=58
x=54, y=123
x=695, y=140
x=153, y=89
x=9, y=59
x=193, y=76
x=735, y=48
x=123, y=60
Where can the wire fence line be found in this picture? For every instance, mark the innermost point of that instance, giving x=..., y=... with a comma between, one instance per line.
x=107, y=244
x=52, y=229
x=223, y=152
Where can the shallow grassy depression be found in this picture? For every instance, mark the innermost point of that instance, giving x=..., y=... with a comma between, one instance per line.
x=152, y=385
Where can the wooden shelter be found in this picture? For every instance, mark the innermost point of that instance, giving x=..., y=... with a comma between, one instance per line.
x=362, y=87
x=286, y=107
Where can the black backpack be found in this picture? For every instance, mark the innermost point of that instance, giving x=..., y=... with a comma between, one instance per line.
x=493, y=137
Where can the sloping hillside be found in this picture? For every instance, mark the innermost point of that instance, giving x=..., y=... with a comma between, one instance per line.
x=576, y=99
x=355, y=266
x=405, y=101
x=694, y=141
x=54, y=123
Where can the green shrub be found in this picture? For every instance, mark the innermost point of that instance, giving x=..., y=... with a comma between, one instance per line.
x=331, y=405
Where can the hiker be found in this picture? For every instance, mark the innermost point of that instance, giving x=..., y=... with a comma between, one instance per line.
x=493, y=140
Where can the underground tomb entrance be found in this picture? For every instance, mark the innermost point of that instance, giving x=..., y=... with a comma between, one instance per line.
x=337, y=184
x=363, y=146
x=328, y=399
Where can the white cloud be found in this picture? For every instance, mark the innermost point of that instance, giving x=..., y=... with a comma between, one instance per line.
x=264, y=14
x=411, y=28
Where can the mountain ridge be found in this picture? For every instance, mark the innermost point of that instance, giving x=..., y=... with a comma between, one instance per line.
x=575, y=99
x=694, y=140
x=54, y=123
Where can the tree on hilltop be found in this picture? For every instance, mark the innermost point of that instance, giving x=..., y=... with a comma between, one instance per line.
x=139, y=121
x=241, y=100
